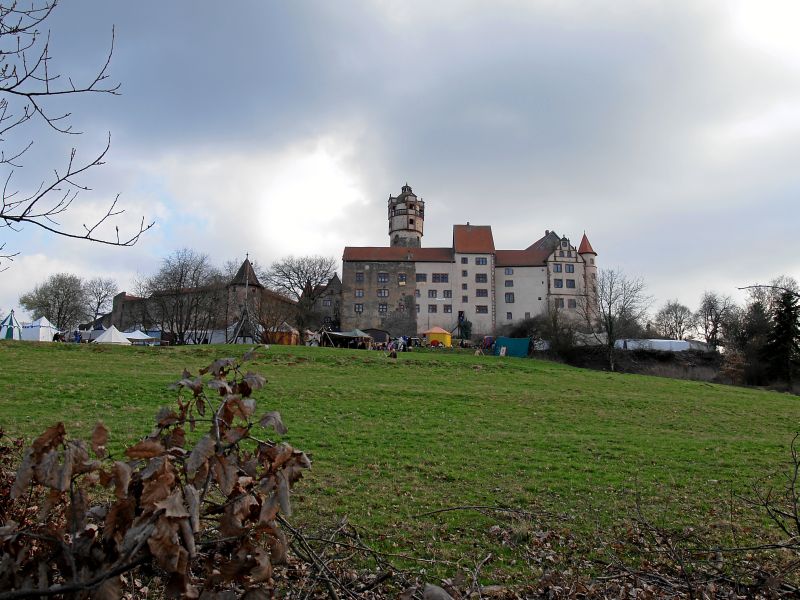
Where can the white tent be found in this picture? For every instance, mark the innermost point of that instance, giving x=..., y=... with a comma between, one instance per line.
x=112, y=335
x=10, y=329
x=40, y=330
x=139, y=337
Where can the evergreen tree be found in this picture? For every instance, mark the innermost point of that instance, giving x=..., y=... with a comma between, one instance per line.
x=782, y=350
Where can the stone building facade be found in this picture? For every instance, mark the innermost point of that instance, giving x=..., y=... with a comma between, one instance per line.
x=407, y=289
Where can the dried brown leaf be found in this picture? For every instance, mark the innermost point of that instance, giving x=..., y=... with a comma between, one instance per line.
x=173, y=505
x=145, y=449
x=200, y=454
x=24, y=475
x=166, y=417
x=192, y=496
x=273, y=419
x=99, y=439
x=122, y=477
x=225, y=472
x=53, y=436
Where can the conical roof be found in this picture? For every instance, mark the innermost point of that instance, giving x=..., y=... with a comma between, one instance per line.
x=586, y=247
x=246, y=275
x=112, y=335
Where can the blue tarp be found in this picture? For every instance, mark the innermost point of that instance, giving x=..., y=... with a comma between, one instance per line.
x=514, y=346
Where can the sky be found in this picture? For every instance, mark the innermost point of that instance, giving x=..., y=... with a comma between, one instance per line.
x=668, y=131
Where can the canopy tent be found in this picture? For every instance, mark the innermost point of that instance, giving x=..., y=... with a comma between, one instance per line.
x=442, y=336
x=112, y=335
x=40, y=330
x=513, y=346
x=345, y=339
x=139, y=338
x=10, y=329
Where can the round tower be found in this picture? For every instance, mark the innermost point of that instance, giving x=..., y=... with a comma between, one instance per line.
x=406, y=219
x=590, y=268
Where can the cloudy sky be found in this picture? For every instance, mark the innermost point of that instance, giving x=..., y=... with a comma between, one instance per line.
x=668, y=131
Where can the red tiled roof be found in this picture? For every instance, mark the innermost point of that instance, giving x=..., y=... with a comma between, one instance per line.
x=586, y=247
x=397, y=254
x=473, y=239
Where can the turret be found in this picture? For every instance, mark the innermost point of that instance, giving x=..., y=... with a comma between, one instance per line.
x=406, y=219
x=590, y=268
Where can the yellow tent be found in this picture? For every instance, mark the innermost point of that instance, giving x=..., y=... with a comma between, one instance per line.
x=440, y=335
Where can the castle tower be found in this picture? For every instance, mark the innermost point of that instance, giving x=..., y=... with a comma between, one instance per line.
x=590, y=268
x=406, y=219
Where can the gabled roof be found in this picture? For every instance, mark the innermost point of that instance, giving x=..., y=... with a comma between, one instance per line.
x=534, y=255
x=473, y=239
x=397, y=254
x=586, y=247
x=246, y=275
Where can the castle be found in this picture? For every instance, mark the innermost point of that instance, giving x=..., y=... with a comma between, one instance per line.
x=407, y=289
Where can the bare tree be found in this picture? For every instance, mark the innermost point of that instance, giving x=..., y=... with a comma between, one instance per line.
x=675, y=320
x=617, y=309
x=713, y=312
x=184, y=296
x=62, y=299
x=271, y=311
x=30, y=93
x=100, y=291
x=302, y=279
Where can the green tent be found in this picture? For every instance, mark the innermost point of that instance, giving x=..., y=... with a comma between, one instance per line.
x=514, y=346
x=10, y=329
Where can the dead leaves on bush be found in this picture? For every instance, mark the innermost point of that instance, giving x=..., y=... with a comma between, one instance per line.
x=204, y=515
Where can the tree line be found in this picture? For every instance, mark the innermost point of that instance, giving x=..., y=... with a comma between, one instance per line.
x=188, y=296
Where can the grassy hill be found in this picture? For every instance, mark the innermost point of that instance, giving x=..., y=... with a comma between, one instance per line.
x=393, y=439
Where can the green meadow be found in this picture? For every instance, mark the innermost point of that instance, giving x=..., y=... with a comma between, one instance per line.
x=391, y=440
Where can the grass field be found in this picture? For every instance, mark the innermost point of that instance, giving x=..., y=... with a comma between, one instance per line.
x=391, y=440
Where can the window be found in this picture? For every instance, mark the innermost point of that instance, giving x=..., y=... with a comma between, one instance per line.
x=508, y=316
x=359, y=293
x=564, y=244
x=359, y=308
x=559, y=303
x=509, y=271
x=432, y=308
x=559, y=283
x=570, y=268
x=383, y=293
x=528, y=315
x=572, y=303
x=360, y=277
x=480, y=260
x=480, y=278
x=464, y=299
x=416, y=293
x=464, y=260
x=556, y=268
x=482, y=309
x=571, y=283
x=422, y=277
x=326, y=302
x=464, y=286
x=464, y=273
x=482, y=293
x=447, y=293
x=448, y=308
x=401, y=278
x=440, y=278
x=509, y=297
x=383, y=278
x=561, y=253
x=383, y=307
x=509, y=283
x=591, y=261
x=417, y=305
x=431, y=293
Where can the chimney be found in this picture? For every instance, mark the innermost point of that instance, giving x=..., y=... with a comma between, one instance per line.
x=546, y=232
